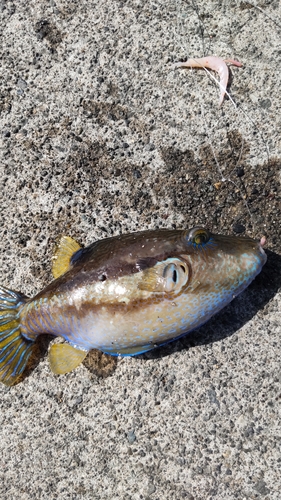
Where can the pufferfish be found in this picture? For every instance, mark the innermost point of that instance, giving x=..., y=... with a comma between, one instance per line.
x=125, y=295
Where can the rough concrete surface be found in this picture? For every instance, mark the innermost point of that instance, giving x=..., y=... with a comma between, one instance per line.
x=99, y=136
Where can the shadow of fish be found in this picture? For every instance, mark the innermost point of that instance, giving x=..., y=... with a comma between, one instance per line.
x=125, y=295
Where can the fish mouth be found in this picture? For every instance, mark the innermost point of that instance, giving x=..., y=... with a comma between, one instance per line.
x=262, y=242
x=261, y=257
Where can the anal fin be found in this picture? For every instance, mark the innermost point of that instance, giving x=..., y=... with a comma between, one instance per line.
x=65, y=248
x=64, y=358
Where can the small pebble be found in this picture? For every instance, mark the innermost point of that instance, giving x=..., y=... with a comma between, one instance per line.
x=240, y=172
x=131, y=437
x=238, y=228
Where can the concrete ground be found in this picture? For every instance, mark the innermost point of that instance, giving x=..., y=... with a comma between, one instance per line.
x=100, y=135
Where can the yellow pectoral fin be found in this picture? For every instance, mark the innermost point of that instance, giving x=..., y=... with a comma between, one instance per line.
x=64, y=358
x=149, y=281
x=64, y=249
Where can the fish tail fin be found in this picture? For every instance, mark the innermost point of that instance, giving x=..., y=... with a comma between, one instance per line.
x=15, y=349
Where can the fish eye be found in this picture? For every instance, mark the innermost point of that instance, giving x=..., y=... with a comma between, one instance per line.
x=198, y=236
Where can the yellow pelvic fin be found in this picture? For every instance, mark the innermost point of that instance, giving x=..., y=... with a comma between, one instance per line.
x=64, y=358
x=64, y=249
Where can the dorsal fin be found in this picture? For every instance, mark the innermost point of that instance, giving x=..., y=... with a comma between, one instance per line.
x=64, y=358
x=64, y=249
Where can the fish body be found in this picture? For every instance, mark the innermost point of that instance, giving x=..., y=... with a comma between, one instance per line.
x=128, y=294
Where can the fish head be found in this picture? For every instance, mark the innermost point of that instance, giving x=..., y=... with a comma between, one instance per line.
x=220, y=267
